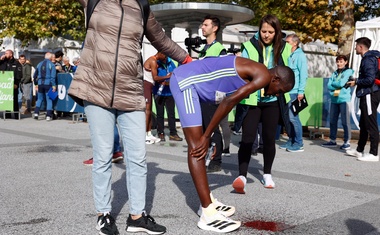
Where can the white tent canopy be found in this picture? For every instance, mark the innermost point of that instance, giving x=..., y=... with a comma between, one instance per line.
x=369, y=29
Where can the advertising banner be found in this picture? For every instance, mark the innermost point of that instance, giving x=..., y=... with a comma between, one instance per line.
x=6, y=90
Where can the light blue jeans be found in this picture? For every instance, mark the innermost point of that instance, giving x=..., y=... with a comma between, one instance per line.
x=296, y=133
x=132, y=131
x=344, y=110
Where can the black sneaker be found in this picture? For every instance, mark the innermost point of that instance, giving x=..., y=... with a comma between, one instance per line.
x=144, y=224
x=213, y=167
x=106, y=225
x=226, y=152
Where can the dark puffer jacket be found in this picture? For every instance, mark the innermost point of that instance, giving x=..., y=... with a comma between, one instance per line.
x=110, y=73
x=367, y=74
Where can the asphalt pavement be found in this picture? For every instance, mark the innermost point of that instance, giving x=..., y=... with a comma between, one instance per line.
x=45, y=188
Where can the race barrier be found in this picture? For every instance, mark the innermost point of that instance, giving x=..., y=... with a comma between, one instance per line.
x=6, y=93
x=6, y=90
x=65, y=103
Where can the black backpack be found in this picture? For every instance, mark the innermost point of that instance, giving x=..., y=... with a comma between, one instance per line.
x=144, y=6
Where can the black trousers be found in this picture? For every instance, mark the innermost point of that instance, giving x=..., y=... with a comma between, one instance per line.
x=161, y=103
x=368, y=123
x=268, y=114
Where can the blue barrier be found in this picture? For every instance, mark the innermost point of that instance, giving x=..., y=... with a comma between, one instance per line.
x=65, y=103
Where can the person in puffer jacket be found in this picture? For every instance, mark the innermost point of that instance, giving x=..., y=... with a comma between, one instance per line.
x=109, y=84
x=369, y=97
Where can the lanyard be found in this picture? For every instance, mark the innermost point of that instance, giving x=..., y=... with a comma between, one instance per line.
x=166, y=67
x=67, y=68
x=266, y=63
x=265, y=57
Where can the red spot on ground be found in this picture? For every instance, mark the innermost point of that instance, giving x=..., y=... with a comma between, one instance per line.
x=267, y=225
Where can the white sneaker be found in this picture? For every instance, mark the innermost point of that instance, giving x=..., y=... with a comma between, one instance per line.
x=225, y=210
x=239, y=184
x=35, y=116
x=267, y=181
x=369, y=158
x=48, y=118
x=152, y=139
x=354, y=153
x=237, y=132
x=218, y=223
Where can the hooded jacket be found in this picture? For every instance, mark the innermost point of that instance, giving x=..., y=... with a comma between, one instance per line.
x=110, y=74
x=367, y=74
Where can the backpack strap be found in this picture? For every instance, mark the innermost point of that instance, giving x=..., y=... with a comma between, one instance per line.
x=144, y=6
x=145, y=11
x=91, y=4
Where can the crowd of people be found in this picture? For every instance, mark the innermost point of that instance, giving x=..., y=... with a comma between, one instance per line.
x=32, y=84
x=117, y=91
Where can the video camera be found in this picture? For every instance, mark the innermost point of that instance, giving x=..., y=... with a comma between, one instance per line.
x=350, y=79
x=194, y=42
x=233, y=49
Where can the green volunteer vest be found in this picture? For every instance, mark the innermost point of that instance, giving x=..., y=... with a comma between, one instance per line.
x=214, y=50
x=254, y=55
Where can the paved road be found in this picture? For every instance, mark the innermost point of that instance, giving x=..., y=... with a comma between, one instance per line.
x=45, y=188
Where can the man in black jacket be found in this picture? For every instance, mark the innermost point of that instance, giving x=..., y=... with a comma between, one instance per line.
x=9, y=63
x=369, y=98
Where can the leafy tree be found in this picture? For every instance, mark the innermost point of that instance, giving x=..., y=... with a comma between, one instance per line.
x=33, y=19
x=327, y=20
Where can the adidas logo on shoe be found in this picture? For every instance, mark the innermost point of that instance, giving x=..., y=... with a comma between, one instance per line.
x=225, y=210
x=218, y=223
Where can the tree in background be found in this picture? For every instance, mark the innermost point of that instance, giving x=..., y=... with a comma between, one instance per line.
x=33, y=19
x=328, y=20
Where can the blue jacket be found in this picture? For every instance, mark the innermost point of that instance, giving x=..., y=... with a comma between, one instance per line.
x=45, y=73
x=298, y=63
x=367, y=74
x=336, y=82
x=162, y=70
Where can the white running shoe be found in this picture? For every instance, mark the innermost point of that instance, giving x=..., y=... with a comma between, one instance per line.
x=239, y=184
x=267, y=181
x=152, y=139
x=218, y=223
x=237, y=133
x=354, y=153
x=368, y=158
x=225, y=210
